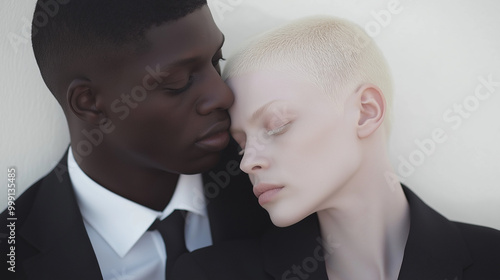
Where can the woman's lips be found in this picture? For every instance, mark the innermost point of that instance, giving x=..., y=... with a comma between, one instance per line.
x=266, y=192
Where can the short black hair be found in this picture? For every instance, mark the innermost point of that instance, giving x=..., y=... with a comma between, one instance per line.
x=64, y=28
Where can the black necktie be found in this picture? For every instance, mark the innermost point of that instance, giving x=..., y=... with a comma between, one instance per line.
x=172, y=231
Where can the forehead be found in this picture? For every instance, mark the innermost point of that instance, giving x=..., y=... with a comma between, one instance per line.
x=267, y=84
x=256, y=89
x=173, y=47
x=196, y=34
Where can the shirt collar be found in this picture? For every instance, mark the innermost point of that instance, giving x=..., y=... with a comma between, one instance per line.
x=122, y=222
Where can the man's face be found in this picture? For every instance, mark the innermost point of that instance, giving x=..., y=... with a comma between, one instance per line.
x=168, y=103
x=299, y=151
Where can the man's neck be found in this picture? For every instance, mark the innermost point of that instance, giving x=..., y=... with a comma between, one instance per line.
x=149, y=187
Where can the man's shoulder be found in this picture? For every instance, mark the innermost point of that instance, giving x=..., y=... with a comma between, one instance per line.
x=56, y=176
x=231, y=249
x=236, y=259
x=13, y=220
x=23, y=203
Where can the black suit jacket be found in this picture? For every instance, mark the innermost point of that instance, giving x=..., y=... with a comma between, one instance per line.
x=437, y=249
x=52, y=243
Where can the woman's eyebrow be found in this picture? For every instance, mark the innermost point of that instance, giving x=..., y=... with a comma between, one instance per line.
x=255, y=116
x=259, y=112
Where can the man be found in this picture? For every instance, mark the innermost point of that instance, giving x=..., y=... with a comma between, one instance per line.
x=139, y=83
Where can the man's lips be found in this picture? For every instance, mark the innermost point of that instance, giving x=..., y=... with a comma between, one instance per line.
x=266, y=192
x=215, y=138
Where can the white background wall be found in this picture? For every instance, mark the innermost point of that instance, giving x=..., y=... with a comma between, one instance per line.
x=438, y=50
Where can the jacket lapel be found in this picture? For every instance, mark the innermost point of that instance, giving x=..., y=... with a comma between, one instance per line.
x=295, y=252
x=435, y=248
x=55, y=227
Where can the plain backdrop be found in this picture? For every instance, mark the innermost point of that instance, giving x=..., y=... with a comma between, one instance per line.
x=446, y=128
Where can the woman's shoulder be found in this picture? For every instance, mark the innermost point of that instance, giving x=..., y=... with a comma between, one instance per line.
x=480, y=239
x=483, y=244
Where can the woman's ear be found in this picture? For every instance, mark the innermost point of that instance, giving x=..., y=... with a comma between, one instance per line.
x=81, y=100
x=372, y=110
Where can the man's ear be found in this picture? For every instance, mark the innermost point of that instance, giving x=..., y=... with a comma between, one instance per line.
x=372, y=110
x=82, y=101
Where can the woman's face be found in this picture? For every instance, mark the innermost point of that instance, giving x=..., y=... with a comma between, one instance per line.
x=299, y=151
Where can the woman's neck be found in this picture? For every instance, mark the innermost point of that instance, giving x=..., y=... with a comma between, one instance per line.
x=365, y=227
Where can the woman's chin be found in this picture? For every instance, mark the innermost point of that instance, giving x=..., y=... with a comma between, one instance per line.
x=284, y=219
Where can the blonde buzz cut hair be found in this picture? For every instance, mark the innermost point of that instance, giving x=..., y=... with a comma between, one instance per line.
x=335, y=55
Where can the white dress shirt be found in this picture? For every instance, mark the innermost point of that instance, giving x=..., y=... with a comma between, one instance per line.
x=117, y=227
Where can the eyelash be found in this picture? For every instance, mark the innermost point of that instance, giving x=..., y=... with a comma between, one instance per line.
x=190, y=81
x=182, y=89
x=273, y=132
x=279, y=130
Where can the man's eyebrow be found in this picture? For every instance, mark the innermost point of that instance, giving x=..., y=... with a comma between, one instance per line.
x=187, y=60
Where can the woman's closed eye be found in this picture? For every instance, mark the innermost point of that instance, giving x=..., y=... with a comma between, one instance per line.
x=279, y=130
x=269, y=132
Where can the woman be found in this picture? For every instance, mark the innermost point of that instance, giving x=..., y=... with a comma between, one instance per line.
x=311, y=109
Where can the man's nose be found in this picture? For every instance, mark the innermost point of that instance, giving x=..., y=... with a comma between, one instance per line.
x=217, y=95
